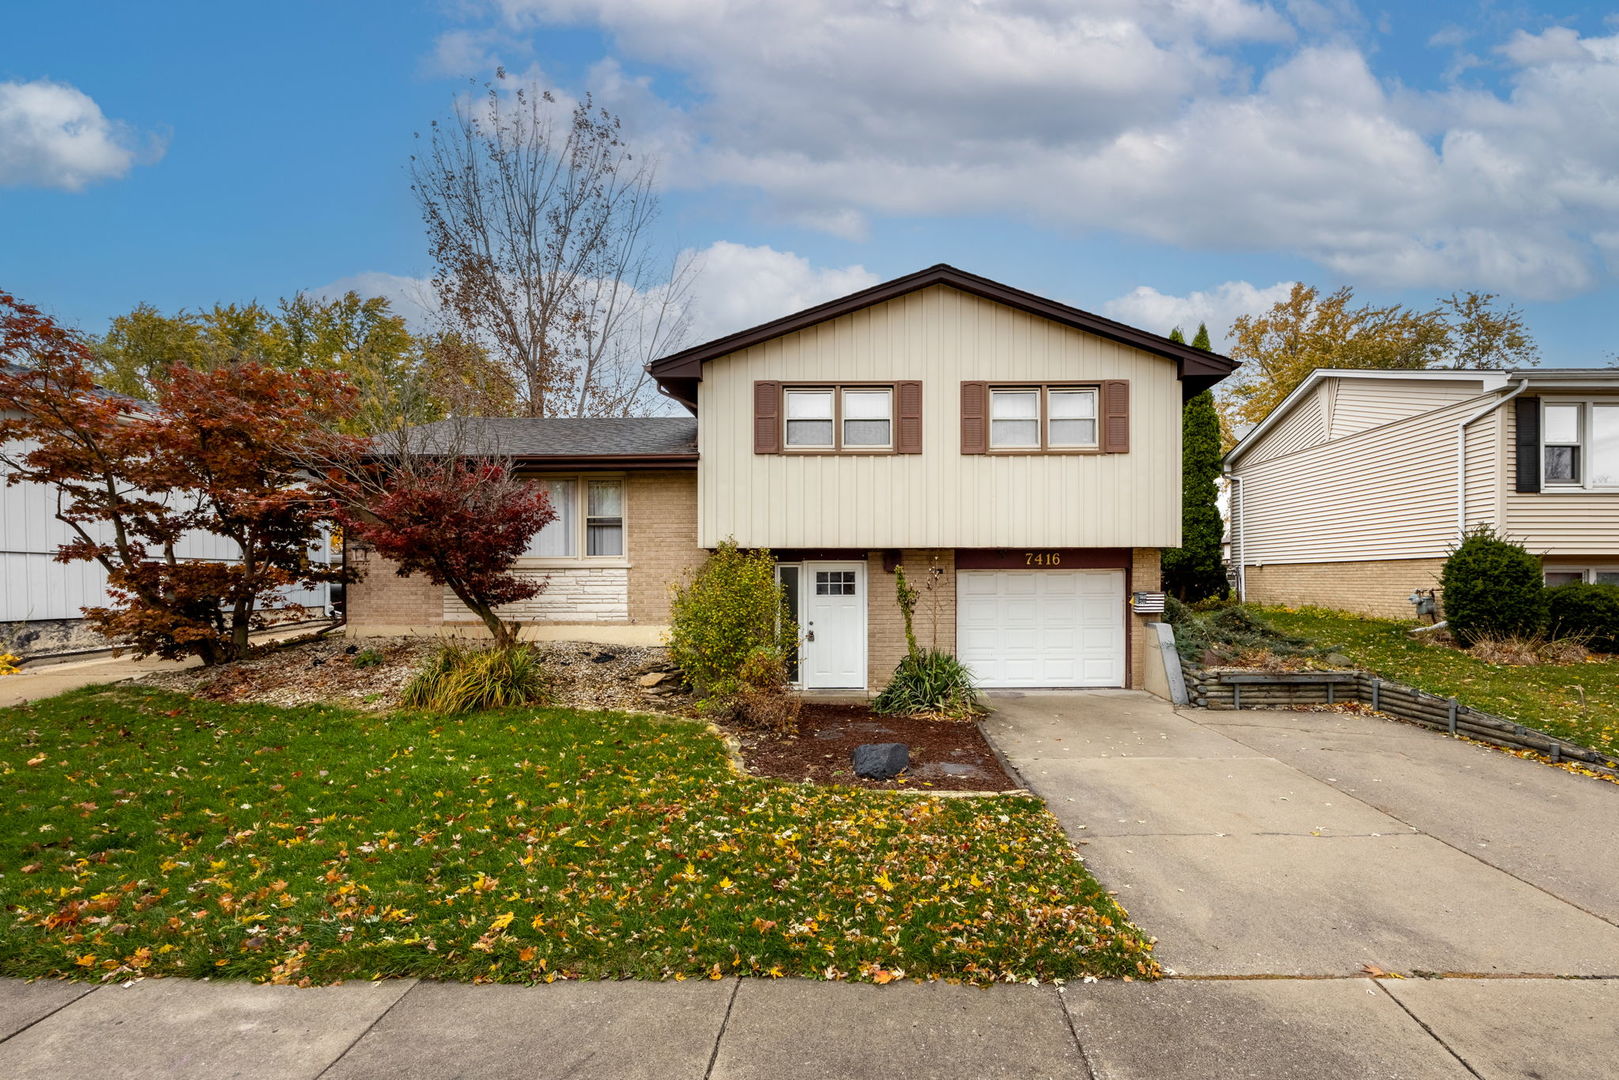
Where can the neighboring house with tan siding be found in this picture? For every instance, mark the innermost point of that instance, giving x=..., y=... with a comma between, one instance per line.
x=1027, y=450
x=1355, y=488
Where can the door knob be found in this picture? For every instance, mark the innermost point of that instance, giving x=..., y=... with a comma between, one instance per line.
x=810, y=636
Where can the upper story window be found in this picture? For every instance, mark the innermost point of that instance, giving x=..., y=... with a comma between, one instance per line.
x=590, y=519
x=1042, y=418
x=839, y=417
x=1580, y=444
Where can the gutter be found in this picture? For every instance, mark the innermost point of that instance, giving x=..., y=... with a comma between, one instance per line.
x=1461, y=453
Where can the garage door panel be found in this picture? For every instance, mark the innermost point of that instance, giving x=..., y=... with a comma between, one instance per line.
x=1042, y=627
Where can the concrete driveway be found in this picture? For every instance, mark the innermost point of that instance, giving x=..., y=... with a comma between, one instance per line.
x=1280, y=856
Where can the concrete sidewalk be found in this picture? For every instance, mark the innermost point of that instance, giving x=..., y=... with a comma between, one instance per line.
x=1342, y=1029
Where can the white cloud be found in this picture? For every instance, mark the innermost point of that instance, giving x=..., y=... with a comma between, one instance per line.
x=738, y=286
x=1136, y=115
x=55, y=135
x=1217, y=308
x=410, y=297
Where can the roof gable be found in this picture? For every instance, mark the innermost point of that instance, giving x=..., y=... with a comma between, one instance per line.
x=678, y=374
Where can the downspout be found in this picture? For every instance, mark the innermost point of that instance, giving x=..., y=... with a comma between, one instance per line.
x=1461, y=454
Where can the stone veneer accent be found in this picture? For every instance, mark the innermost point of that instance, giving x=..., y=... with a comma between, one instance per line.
x=1379, y=588
x=587, y=594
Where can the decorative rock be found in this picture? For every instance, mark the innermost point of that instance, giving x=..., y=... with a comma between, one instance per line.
x=603, y=658
x=881, y=761
x=654, y=678
x=1338, y=659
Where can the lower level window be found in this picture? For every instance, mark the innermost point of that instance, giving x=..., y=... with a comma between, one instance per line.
x=589, y=518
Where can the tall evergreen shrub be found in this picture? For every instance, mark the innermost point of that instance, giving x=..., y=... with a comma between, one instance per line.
x=1195, y=571
x=1492, y=587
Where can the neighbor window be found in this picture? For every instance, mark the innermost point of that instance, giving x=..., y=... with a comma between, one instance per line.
x=1580, y=444
x=589, y=518
x=1589, y=575
x=1042, y=418
x=839, y=418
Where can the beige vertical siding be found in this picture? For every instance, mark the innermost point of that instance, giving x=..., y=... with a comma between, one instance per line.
x=1363, y=404
x=1554, y=523
x=939, y=498
x=1384, y=493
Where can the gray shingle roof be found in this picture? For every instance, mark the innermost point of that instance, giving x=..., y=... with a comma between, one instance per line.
x=567, y=437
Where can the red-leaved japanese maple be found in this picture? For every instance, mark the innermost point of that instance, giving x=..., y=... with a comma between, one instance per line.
x=460, y=521
x=218, y=453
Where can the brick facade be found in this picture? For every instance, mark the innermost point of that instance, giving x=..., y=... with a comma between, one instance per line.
x=1145, y=576
x=885, y=628
x=1379, y=588
x=381, y=598
x=662, y=540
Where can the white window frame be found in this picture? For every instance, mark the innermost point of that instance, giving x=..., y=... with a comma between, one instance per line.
x=581, y=494
x=1585, y=463
x=1043, y=418
x=838, y=392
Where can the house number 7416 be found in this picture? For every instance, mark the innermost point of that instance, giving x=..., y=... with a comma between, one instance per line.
x=1042, y=558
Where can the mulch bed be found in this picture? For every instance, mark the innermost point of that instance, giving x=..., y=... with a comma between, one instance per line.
x=945, y=756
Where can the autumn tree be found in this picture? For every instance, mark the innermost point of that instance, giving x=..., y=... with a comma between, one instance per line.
x=215, y=453
x=1307, y=330
x=436, y=503
x=393, y=369
x=539, y=222
x=1196, y=570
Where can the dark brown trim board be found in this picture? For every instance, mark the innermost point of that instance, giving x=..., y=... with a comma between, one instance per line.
x=678, y=373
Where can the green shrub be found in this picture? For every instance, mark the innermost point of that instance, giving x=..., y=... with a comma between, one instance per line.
x=764, y=698
x=366, y=658
x=462, y=678
x=731, y=606
x=1492, y=588
x=929, y=681
x=1588, y=612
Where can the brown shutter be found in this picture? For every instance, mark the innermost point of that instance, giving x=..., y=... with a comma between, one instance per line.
x=974, y=418
x=908, y=432
x=767, y=418
x=1116, y=416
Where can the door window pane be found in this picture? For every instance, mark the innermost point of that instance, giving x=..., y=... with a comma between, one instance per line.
x=1605, y=445
x=809, y=418
x=788, y=576
x=867, y=416
x=1014, y=418
x=1073, y=418
x=604, y=523
x=558, y=539
x=834, y=582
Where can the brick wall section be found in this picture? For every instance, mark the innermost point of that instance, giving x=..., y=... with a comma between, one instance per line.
x=1379, y=588
x=1145, y=576
x=382, y=598
x=885, y=629
x=663, y=539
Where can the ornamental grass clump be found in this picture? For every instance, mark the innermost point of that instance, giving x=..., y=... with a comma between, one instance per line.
x=928, y=681
x=462, y=678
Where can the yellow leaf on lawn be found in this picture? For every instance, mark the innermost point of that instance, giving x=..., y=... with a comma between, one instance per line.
x=502, y=921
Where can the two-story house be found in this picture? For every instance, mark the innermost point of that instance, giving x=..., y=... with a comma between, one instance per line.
x=1027, y=450
x=1353, y=490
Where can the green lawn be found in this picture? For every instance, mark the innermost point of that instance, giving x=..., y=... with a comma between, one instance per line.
x=1579, y=702
x=153, y=833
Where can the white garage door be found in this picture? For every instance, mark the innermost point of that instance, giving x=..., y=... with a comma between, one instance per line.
x=1041, y=627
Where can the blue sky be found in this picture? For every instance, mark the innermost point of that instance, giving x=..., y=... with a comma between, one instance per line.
x=1159, y=160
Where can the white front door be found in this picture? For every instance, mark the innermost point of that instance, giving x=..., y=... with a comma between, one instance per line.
x=832, y=625
x=1041, y=627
